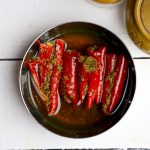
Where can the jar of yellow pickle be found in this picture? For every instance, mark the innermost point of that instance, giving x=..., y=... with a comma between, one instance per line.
x=105, y=2
x=138, y=23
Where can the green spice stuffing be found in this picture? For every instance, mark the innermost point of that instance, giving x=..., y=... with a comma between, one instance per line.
x=95, y=47
x=85, y=91
x=46, y=85
x=54, y=60
x=69, y=51
x=59, y=68
x=66, y=78
x=82, y=78
x=82, y=58
x=50, y=43
x=90, y=64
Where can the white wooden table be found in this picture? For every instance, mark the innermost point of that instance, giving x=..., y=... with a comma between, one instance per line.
x=20, y=23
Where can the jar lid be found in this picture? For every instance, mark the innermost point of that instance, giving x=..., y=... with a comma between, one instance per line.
x=142, y=16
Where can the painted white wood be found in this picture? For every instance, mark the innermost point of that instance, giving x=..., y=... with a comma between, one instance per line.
x=22, y=21
x=19, y=130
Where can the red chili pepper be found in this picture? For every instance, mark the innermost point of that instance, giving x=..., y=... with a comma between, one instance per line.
x=92, y=67
x=63, y=92
x=32, y=66
x=46, y=54
x=69, y=75
x=82, y=78
x=108, y=81
x=100, y=56
x=45, y=71
x=72, y=53
x=118, y=84
x=111, y=60
x=92, y=88
x=55, y=76
x=46, y=50
x=53, y=96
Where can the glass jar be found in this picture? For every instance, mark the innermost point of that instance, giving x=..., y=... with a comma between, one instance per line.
x=138, y=23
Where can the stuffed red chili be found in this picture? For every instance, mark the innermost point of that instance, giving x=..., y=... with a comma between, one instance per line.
x=55, y=76
x=69, y=76
x=46, y=55
x=92, y=68
x=118, y=83
x=33, y=66
x=108, y=81
x=100, y=55
x=82, y=78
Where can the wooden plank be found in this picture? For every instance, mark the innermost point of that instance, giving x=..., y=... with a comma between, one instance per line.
x=23, y=21
x=19, y=130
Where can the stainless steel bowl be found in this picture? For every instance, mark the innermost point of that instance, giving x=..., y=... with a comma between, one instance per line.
x=82, y=34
